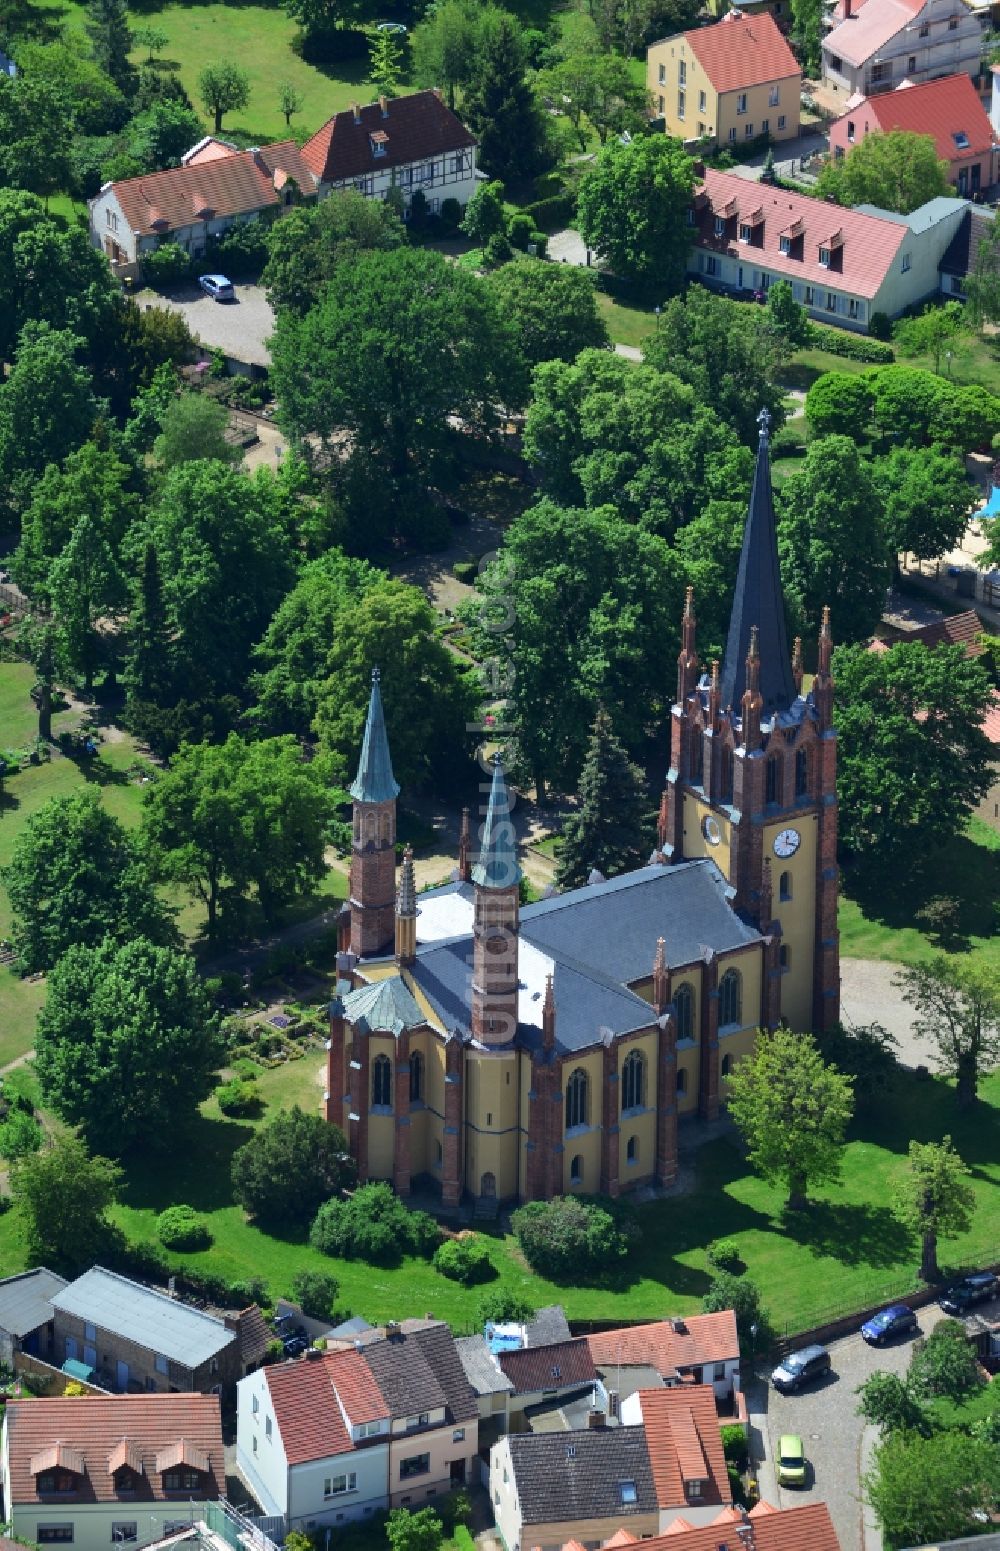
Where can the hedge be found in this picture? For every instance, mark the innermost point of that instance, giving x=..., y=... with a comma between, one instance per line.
x=856, y=347
x=553, y=213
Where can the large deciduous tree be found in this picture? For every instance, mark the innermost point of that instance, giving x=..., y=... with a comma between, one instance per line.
x=934, y=1198
x=896, y=171
x=929, y=1490
x=47, y=409
x=49, y=273
x=305, y=247
x=945, y=1364
x=913, y=759
x=192, y=428
x=597, y=87
x=926, y=499
x=957, y=1006
x=887, y=1402
x=443, y=46
x=792, y=1110
x=606, y=831
x=631, y=210
x=831, y=541
x=552, y=307
x=127, y=1043
x=62, y=1195
x=77, y=877
x=839, y=404
x=93, y=480
x=35, y=124
x=292, y=1165
x=86, y=587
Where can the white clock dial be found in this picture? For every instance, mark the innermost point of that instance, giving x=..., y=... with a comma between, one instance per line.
x=712, y=830
x=786, y=843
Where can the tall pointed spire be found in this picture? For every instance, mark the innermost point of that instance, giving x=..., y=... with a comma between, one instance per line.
x=758, y=599
x=497, y=866
x=375, y=781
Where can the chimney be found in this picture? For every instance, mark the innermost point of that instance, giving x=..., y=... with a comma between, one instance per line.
x=847, y=10
x=596, y=1418
x=355, y=109
x=679, y=1327
x=383, y=103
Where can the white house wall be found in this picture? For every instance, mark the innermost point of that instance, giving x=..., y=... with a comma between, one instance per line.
x=260, y=1460
x=944, y=51
x=308, y=1508
x=451, y=175
x=902, y=288
x=97, y=1526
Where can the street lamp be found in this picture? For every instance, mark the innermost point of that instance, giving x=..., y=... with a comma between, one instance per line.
x=947, y=356
x=753, y=1345
x=657, y=311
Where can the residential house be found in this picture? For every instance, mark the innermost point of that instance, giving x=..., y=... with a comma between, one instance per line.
x=698, y=1349
x=548, y=1375
x=685, y=1450
x=410, y=143
x=843, y=265
x=26, y=1314
x=389, y=1422
x=135, y=1338
x=117, y=1469
x=807, y=1527
x=881, y=43
x=734, y=81
x=948, y=109
x=487, y=1380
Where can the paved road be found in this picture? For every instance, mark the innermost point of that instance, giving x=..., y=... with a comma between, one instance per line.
x=825, y=1418
x=240, y=328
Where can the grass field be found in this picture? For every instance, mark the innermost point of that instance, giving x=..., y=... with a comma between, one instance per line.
x=626, y=325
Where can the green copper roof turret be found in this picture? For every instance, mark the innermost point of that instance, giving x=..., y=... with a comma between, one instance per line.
x=497, y=865
x=375, y=781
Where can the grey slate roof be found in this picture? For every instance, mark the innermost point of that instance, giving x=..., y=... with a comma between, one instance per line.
x=375, y=781
x=385, y=1005
x=184, y=1335
x=497, y=866
x=924, y=217
x=548, y=1326
x=481, y=1367
x=25, y=1300
x=562, y=1476
x=758, y=601
x=419, y=1369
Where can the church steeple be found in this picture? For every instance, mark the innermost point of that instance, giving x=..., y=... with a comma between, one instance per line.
x=496, y=877
x=758, y=602
x=497, y=867
x=375, y=781
x=373, y=841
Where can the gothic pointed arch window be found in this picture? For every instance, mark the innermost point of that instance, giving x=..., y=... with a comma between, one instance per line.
x=726, y=774
x=576, y=1170
x=802, y=773
x=684, y=1011
x=382, y=1082
x=416, y=1077
x=697, y=756
x=730, y=998
x=577, y=1099
x=772, y=779
x=634, y=1081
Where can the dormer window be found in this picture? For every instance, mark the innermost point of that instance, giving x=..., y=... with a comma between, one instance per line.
x=56, y=1483
x=824, y=257
x=181, y=1481
x=746, y=232
x=694, y=1489
x=379, y=142
x=785, y=244
x=720, y=226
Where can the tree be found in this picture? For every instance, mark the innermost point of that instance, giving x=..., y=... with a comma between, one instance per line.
x=150, y=38
x=47, y=408
x=931, y=1489
x=94, y=105
x=934, y=1199
x=887, y=1402
x=807, y=34
x=957, y=1005
x=290, y=1167
x=598, y=87
x=926, y=499
x=223, y=88
x=111, y=41
x=421, y=1530
x=231, y=817
x=499, y=106
x=930, y=331
x=385, y=61
x=62, y=1195
x=35, y=123
x=94, y=480
x=305, y=247
x=839, y=404
x=127, y=1044
x=316, y=1293
x=373, y=1224
x=193, y=427
x=443, y=46
x=912, y=758
x=290, y=100
x=50, y=273
x=907, y=404
x=502, y=1305
x=983, y=280
x=485, y=216
x=739, y=1293
x=571, y=1238
x=20, y=1134
x=147, y=676
x=944, y=1364
x=831, y=543
x=792, y=1111
x=896, y=171
x=77, y=877
x=431, y=700
x=434, y=348
x=606, y=831
x=552, y=307
x=787, y=319
x=159, y=136
x=631, y=210
x=85, y=586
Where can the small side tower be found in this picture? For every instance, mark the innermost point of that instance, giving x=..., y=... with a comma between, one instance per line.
x=373, y=843
x=496, y=878
x=406, y=912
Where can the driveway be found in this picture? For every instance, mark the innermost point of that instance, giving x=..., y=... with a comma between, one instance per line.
x=788, y=158
x=825, y=1418
x=240, y=328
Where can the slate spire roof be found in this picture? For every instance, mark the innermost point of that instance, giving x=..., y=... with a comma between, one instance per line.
x=497, y=866
x=375, y=781
x=757, y=601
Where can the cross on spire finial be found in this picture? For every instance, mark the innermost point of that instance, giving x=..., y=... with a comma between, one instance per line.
x=764, y=421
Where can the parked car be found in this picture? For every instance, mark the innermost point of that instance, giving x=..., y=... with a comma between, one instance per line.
x=219, y=287
x=798, y=1368
x=897, y=1320
x=791, y=1461
x=976, y=1288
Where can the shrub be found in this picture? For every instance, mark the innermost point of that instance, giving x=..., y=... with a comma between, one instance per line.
x=316, y=1293
x=180, y=1227
x=168, y=266
x=520, y=229
x=503, y=1306
x=743, y=1297
x=880, y=326
x=373, y=1225
x=553, y=213
x=239, y=1295
x=290, y=1167
x=497, y=251
x=724, y=1254
x=465, y=571
x=456, y=1511
x=450, y=213
x=734, y=1444
x=239, y=1097
x=855, y=347
x=569, y=1236
x=465, y=1260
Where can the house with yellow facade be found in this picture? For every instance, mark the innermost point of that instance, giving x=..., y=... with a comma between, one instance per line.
x=498, y=1051
x=730, y=82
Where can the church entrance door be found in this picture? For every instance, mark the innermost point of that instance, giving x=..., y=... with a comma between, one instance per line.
x=488, y=1186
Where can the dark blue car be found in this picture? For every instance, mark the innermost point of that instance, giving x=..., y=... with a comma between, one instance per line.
x=897, y=1320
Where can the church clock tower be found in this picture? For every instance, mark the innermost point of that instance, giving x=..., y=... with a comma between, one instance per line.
x=752, y=779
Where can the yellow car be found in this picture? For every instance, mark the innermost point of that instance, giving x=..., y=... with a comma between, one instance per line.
x=791, y=1461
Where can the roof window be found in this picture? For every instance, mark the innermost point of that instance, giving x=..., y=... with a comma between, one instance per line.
x=379, y=142
x=628, y=1494
x=961, y=139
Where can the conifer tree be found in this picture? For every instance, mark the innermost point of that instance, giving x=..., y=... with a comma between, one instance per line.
x=499, y=104
x=607, y=830
x=111, y=40
x=147, y=671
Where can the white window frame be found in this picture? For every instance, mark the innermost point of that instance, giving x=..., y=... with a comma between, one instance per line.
x=741, y=103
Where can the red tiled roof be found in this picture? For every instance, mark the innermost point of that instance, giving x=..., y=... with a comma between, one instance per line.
x=866, y=251
x=859, y=37
x=705, y=1338
x=804, y=1528
x=416, y=127
x=94, y=1430
x=355, y=1383
x=954, y=630
x=549, y=1367
x=742, y=51
x=991, y=721
x=229, y=185
x=685, y=1444
x=309, y=1415
x=940, y=108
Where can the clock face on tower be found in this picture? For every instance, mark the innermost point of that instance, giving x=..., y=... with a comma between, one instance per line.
x=786, y=843
x=712, y=830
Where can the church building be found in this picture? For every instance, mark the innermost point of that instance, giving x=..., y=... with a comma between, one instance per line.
x=506, y=1051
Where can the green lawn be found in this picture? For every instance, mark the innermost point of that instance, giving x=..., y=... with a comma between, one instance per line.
x=626, y=324
x=806, y=365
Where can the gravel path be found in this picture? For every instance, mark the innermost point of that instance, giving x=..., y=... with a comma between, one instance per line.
x=868, y=995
